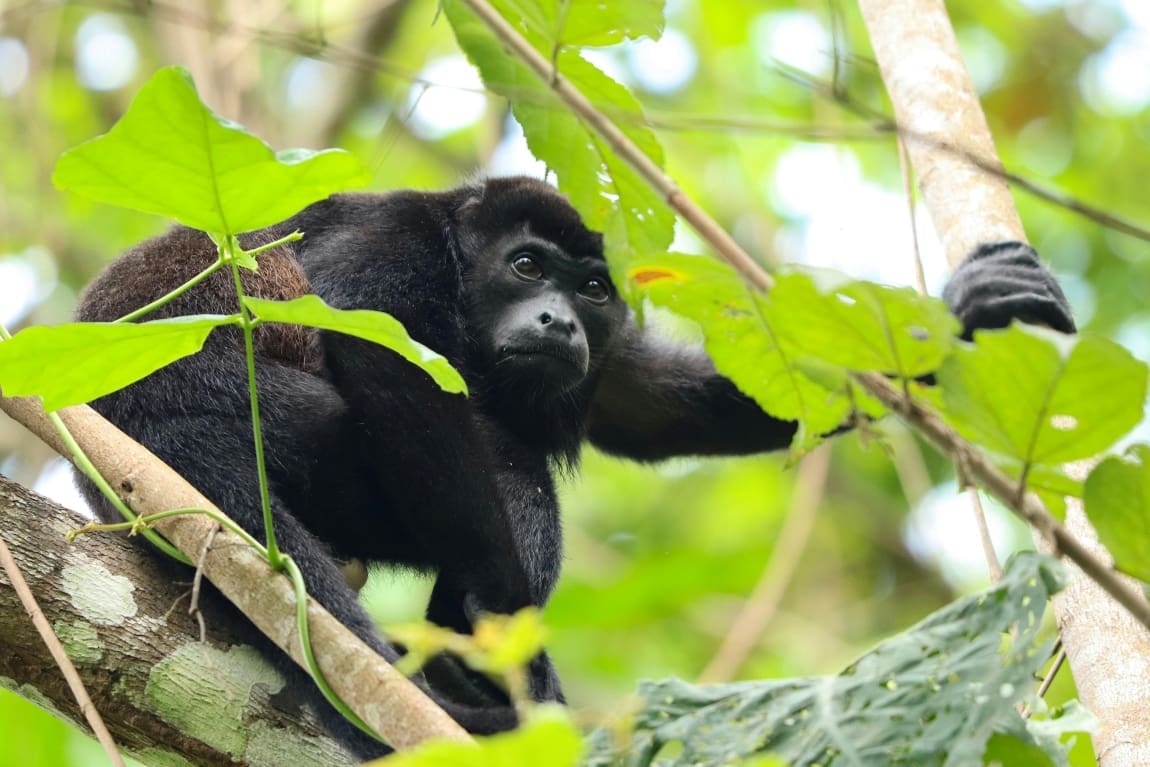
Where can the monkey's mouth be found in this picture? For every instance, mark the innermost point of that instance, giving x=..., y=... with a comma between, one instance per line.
x=551, y=360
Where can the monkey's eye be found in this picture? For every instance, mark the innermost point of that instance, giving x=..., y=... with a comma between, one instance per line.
x=526, y=267
x=595, y=290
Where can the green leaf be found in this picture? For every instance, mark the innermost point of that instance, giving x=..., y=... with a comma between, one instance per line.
x=599, y=22
x=171, y=155
x=1037, y=396
x=548, y=740
x=1011, y=751
x=1049, y=483
x=508, y=641
x=82, y=361
x=861, y=325
x=740, y=336
x=1118, y=504
x=933, y=695
x=377, y=327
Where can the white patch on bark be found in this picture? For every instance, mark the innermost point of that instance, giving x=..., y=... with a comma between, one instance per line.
x=97, y=594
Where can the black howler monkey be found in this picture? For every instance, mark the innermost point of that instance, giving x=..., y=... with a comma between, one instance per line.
x=368, y=459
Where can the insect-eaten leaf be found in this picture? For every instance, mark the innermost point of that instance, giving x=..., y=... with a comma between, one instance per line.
x=1037, y=396
x=932, y=695
x=82, y=361
x=1118, y=504
x=171, y=155
x=377, y=327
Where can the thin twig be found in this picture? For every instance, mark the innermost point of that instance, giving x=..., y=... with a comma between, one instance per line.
x=908, y=191
x=761, y=606
x=197, y=582
x=992, y=563
x=79, y=692
x=1048, y=680
x=1054, y=196
x=1059, y=659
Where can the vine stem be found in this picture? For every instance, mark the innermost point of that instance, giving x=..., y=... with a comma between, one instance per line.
x=82, y=462
x=230, y=252
x=208, y=272
x=174, y=294
x=915, y=415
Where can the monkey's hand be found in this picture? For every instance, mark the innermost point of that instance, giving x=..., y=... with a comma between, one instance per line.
x=1004, y=281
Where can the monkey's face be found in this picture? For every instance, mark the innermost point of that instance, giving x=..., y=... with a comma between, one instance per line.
x=543, y=317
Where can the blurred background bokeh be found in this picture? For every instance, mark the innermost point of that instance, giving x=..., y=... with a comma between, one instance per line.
x=660, y=559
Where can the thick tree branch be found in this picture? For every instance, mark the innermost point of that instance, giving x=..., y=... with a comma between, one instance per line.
x=122, y=617
x=367, y=683
x=933, y=97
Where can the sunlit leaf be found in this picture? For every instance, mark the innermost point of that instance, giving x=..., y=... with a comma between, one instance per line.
x=861, y=325
x=1049, y=482
x=932, y=695
x=600, y=22
x=377, y=327
x=171, y=155
x=741, y=339
x=81, y=361
x=1037, y=396
x=1118, y=504
x=549, y=740
x=510, y=641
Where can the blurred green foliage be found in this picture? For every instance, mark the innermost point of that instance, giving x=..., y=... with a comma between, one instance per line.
x=660, y=558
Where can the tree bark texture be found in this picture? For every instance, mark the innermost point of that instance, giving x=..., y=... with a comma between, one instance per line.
x=953, y=155
x=122, y=615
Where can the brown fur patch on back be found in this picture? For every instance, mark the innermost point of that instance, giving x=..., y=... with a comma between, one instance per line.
x=158, y=266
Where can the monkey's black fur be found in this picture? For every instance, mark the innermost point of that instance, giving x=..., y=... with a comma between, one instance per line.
x=367, y=458
x=1004, y=281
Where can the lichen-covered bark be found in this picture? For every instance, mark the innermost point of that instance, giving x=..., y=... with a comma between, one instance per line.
x=386, y=700
x=167, y=697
